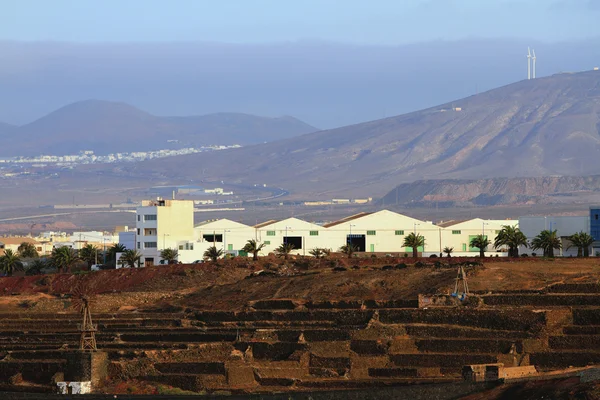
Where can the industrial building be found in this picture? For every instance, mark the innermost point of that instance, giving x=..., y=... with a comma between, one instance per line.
x=165, y=224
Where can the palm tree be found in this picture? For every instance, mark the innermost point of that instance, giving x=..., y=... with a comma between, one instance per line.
x=64, y=258
x=170, y=255
x=111, y=253
x=512, y=237
x=213, y=253
x=349, y=249
x=582, y=241
x=284, y=250
x=254, y=247
x=319, y=252
x=481, y=242
x=27, y=250
x=414, y=240
x=448, y=251
x=10, y=262
x=547, y=240
x=89, y=254
x=131, y=257
x=36, y=266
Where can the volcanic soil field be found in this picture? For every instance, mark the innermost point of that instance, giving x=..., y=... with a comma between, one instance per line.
x=305, y=325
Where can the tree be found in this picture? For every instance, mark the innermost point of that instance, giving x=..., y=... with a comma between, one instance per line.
x=89, y=254
x=319, y=252
x=284, y=250
x=27, y=250
x=414, y=240
x=36, y=266
x=548, y=241
x=512, y=237
x=254, y=247
x=111, y=253
x=64, y=258
x=349, y=249
x=213, y=253
x=131, y=258
x=582, y=241
x=170, y=255
x=448, y=251
x=481, y=242
x=10, y=262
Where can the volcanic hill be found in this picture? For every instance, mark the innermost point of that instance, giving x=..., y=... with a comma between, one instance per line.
x=110, y=127
x=543, y=127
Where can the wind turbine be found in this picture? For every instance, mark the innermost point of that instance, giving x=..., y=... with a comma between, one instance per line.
x=533, y=58
x=528, y=63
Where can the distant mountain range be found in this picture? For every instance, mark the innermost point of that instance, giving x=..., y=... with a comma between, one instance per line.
x=532, y=128
x=110, y=127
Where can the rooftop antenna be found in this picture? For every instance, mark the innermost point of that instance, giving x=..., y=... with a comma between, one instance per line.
x=528, y=63
x=533, y=58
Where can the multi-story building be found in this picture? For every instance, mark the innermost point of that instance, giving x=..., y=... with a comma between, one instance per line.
x=165, y=224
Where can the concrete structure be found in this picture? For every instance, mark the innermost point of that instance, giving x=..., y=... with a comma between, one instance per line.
x=458, y=235
x=164, y=224
x=13, y=243
x=74, y=387
x=224, y=234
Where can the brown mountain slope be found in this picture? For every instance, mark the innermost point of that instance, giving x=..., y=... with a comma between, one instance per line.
x=109, y=127
x=543, y=127
x=495, y=191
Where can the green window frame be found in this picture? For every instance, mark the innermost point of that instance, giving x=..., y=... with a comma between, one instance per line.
x=267, y=242
x=229, y=247
x=399, y=233
x=371, y=233
x=456, y=232
x=464, y=247
x=314, y=233
x=270, y=233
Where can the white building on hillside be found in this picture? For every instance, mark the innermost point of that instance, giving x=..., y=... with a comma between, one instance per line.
x=458, y=235
x=382, y=231
x=227, y=235
x=304, y=236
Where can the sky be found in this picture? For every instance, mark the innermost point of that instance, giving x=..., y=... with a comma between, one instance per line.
x=373, y=22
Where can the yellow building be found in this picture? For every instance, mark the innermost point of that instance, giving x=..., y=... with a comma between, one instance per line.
x=164, y=224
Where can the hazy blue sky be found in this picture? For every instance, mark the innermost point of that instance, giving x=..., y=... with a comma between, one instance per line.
x=239, y=21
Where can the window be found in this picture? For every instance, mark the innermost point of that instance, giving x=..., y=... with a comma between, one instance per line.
x=464, y=247
x=139, y=245
x=456, y=232
x=180, y=247
x=229, y=247
x=370, y=233
x=189, y=246
x=314, y=233
x=270, y=233
x=295, y=241
x=267, y=242
x=596, y=217
x=213, y=238
x=149, y=245
x=150, y=217
x=399, y=233
x=138, y=231
x=139, y=217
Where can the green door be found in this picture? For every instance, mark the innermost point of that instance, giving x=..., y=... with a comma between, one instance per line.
x=372, y=248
